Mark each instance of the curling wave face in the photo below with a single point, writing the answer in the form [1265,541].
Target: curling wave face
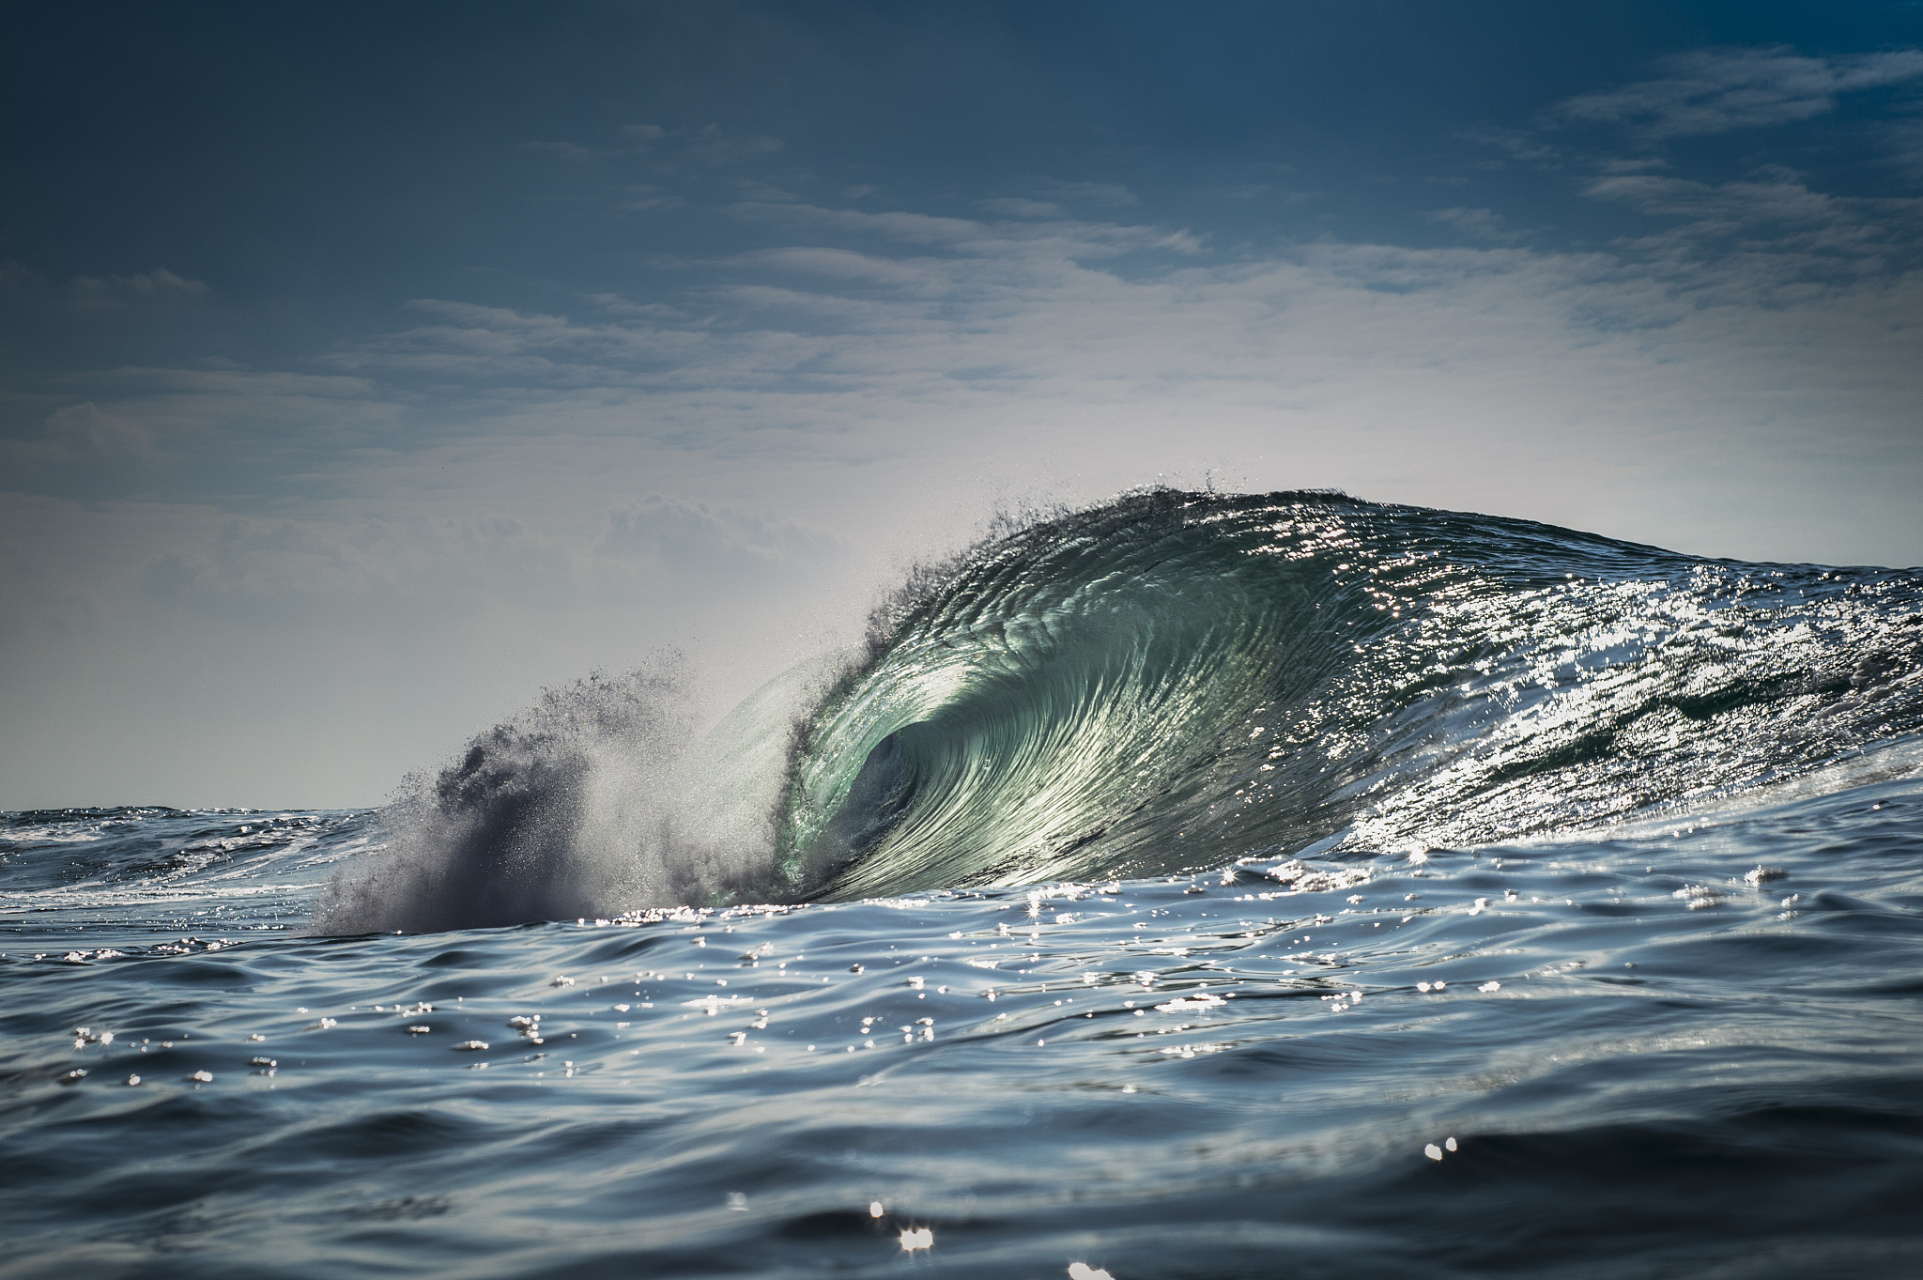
[1174,680]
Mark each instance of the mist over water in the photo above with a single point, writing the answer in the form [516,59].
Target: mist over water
[1196,885]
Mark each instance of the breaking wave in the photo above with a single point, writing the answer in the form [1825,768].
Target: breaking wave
[1169,682]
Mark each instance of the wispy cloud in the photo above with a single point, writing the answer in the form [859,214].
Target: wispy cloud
[712,145]
[642,197]
[86,433]
[1481,224]
[885,331]
[1761,239]
[1713,91]
[1519,145]
[915,275]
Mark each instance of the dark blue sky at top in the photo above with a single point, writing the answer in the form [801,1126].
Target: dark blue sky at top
[318,166]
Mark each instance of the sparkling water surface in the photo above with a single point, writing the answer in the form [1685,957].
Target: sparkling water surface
[1685,1045]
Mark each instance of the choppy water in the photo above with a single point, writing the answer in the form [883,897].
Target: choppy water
[1575,930]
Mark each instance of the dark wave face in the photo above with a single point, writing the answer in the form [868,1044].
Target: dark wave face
[1175,680]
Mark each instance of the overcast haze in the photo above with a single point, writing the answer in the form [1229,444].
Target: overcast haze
[366,368]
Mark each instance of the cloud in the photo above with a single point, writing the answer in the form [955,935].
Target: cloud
[1631,164]
[1758,239]
[1775,196]
[155,290]
[1057,195]
[755,189]
[1517,144]
[1714,91]
[1482,224]
[982,348]
[981,239]
[841,352]
[713,145]
[642,197]
[914,275]
[87,293]
[1905,141]
[862,359]
[87,433]
[502,346]
[615,304]
[234,431]
[161,280]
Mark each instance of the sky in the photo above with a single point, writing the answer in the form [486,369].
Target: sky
[367,368]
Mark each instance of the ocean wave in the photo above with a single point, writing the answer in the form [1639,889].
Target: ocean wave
[1166,683]
[1174,680]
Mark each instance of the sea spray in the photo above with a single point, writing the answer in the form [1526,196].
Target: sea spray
[602,798]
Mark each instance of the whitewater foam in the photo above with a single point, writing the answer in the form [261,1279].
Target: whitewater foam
[602,799]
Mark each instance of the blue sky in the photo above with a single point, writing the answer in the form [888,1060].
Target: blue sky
[365,368]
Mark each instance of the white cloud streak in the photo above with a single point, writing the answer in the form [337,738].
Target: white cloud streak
[876,340]
[1714,91]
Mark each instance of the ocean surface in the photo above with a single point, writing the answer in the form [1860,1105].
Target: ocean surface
[1192,886]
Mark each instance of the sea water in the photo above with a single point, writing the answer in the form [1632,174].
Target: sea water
[1576,961]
